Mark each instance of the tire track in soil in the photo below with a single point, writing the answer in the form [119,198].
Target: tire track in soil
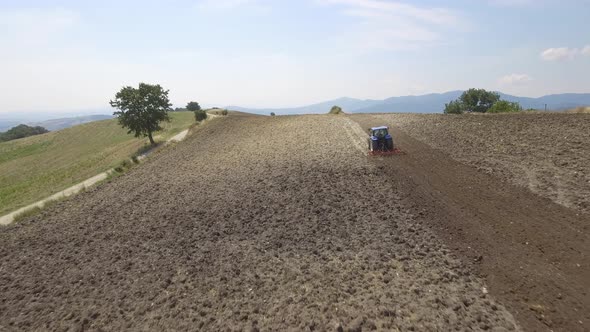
[252,223]
[532,252]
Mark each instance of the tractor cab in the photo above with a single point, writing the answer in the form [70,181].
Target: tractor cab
[379,132]
[381,141]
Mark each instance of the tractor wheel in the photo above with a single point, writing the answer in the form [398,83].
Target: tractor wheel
[390,144]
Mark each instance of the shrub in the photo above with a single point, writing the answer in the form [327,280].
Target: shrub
[454,107]
[504,106]
[200,115]
[272,114]
[224,112]
[336,110]
[123,166]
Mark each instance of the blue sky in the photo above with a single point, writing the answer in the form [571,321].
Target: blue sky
[75,55]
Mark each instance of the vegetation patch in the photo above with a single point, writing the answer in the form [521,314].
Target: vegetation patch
[21,131]
[36,210]
[503,106]
[200,115]
[480,101]
[336,110]
[36,167]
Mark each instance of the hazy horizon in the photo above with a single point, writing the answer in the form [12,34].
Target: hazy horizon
[69,56]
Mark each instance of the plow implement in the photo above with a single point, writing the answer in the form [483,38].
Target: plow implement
[394,151]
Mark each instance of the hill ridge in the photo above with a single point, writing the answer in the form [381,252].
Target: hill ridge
[425,103]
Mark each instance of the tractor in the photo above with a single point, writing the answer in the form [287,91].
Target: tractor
[381,142]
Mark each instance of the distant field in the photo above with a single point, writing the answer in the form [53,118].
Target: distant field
[35,167]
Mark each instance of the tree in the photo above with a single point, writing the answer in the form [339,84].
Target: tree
[193,106]
[478,100]
[272,114]
[200,115]
[21,131]
[504,106]
[335,110]
[141,110]
[454,107]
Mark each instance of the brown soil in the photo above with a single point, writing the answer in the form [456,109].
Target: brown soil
[548,153]
[252,223]
[284,223]
[532,252]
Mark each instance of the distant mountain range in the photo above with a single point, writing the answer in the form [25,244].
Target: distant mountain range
[429,103]
[54,124]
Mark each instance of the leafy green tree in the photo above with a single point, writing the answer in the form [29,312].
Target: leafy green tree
[335,110]
[200,115]
[21,131]
[478,100]
[454,107]
[272,114]
[504,106]
[142,109]
[193,106]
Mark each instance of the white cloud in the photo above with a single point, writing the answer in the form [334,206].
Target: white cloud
[515,79]
[564,53]
[395,25]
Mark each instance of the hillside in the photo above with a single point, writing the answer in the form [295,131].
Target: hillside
[276,227]
[11,119]
[429,103]
[62,123]
[35,167]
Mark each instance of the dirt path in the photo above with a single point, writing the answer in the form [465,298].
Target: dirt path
[9,218]
[252,223]
[533,253]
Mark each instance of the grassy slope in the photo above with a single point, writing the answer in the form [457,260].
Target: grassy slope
[35,167]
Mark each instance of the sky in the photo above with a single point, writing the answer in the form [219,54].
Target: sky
[75,54]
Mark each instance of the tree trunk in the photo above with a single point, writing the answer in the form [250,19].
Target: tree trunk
[151,138]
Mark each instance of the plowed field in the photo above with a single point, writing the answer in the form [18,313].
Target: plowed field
[283,223]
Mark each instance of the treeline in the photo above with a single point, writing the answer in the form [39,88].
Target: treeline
[21,131]
[481,101]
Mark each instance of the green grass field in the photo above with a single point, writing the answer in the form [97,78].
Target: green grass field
[36,167]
